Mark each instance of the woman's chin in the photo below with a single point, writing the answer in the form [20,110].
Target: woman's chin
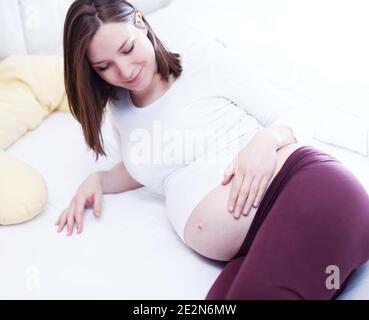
[142,86]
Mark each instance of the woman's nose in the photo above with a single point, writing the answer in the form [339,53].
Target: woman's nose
[125,75]
[125,72]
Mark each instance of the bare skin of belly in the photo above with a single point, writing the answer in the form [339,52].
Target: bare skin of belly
[212,230]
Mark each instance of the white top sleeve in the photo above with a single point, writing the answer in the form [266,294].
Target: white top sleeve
[116,133]
[242,84]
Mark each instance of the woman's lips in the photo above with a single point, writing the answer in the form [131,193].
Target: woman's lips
[136,79]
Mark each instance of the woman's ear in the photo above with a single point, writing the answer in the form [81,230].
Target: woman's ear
[139,22]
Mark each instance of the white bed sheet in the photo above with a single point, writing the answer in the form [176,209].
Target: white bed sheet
[132,252]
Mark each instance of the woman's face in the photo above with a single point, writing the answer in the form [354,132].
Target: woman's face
[122,52]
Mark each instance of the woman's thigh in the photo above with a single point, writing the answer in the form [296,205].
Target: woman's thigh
[318,223]
[220,287]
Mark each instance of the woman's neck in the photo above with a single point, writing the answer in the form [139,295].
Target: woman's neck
[154,92]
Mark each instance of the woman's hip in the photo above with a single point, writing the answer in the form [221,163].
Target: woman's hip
[317,195]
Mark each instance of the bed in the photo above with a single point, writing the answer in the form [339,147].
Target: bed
[131,252]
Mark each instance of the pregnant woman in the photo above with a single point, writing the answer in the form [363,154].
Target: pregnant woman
[204,130]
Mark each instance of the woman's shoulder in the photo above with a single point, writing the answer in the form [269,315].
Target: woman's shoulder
[214,58]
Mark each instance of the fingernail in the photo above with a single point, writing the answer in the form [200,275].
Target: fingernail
[230,208]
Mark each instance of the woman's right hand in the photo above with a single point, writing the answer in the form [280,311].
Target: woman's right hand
[89,194]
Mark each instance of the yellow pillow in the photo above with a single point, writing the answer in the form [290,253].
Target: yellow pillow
[31,87]
[23,192]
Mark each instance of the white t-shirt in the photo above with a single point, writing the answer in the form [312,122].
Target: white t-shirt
[217,99]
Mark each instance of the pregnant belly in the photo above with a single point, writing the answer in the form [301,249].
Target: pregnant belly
[211,229]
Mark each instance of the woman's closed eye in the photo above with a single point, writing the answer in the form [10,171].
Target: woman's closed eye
[130,50]
[107,67]
[103,69]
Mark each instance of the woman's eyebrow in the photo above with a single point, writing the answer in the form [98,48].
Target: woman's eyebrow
[121,47]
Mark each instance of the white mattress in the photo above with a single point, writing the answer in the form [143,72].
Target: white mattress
[132,252]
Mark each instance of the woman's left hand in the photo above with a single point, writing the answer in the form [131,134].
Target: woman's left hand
[251,171]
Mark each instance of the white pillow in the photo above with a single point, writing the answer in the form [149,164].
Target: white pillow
[43,23]
[341,128]
[11,29]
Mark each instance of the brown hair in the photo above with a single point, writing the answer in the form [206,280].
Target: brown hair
[87,93]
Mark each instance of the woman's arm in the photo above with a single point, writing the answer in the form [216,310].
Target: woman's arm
[117,179]
[281,135]
[240,82]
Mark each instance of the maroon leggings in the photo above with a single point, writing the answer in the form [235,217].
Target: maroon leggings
[315,214]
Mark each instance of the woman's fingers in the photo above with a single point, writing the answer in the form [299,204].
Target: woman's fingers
[227,178]
[229,172]
[243,194]
[251,195]
[58,221]
[261,191]
[70,225]
[78,214]
[73,215]
[70,220]
[62,220]
[79,220]
[236,186]
[97,204]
